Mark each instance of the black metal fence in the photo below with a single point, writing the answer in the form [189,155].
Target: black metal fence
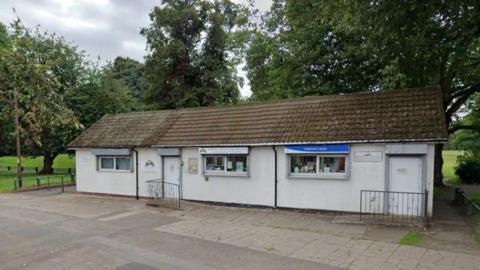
[47,181]
[161,193]
[34,170]
[393,207]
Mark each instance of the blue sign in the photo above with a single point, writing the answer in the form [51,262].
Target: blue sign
[328,148]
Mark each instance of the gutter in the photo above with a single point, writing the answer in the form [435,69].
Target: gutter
[276,177]
[432,141]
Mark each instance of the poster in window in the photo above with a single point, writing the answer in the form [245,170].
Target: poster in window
[192,165]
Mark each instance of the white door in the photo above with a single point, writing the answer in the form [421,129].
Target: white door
[171,166]
[405,177]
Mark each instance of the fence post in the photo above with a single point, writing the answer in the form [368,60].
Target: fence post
[72,178]
[63,188]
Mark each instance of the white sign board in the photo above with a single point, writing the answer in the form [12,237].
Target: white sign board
[223,150]
[368,156]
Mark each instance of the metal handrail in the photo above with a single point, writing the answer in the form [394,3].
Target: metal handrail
[383,206]
[163,193]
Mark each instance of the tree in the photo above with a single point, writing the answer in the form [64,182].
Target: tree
[131,73]
[99,93]
[295,53]
[393,44]
[183,68]
[30,85]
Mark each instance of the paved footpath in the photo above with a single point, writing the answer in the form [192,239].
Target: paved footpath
[72,231]
[311,237]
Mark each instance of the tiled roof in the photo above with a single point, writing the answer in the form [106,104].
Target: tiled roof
[395,115]
[122,130]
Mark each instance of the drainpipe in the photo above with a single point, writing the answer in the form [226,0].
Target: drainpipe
[276,176]
[180,180]
[136,173]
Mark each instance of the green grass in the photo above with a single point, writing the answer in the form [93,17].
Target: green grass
[7,177]
[62,161]
[449,164]
[412,238]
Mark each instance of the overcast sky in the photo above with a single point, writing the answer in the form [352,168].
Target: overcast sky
[103,28]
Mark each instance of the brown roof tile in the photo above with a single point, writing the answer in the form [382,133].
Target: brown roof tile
[395,115]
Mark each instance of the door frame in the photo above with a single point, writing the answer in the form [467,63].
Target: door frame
[423,185]
[178,155]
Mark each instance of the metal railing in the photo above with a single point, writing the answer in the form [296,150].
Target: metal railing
[470,208]
[393,207]
[34,170]
[47,181]
[161,193]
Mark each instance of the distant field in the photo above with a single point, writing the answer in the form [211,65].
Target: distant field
[62,161]
[6,177]
[449,164]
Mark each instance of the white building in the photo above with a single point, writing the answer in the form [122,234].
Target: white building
[311,153]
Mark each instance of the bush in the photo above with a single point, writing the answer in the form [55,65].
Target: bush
[468,169]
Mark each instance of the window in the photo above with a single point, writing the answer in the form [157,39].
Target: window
[215,163]
[226,164]
[318,166]
[107,163]
[303,164]
[115,163]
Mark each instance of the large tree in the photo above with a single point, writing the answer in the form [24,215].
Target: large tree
[30,85]
[131,73]
[188,62]
[341,46]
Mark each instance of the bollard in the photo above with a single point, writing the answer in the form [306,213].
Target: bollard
[63,188]
[15,185]
[38,181]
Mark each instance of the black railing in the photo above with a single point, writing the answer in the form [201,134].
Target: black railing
[47,181]
[393,207]
[469,207]
[161,193]
[34,170]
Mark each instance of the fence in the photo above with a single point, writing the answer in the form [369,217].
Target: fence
[161,193]
[470,209]
[34,170]
[47,181]
[393,207]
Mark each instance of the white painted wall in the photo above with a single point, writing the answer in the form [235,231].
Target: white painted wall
[335,194]
[118,183]
[430,160]
[91,180]
[257,189]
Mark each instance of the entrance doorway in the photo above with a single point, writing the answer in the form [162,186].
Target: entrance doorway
[405,185]
[171,167]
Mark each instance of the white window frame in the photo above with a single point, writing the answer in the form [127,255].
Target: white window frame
[224,172]
[317,174]
[114,169]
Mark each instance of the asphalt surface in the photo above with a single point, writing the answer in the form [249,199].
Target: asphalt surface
[47,230]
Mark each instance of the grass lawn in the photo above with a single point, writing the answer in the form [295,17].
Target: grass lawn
[449,164]
[411,238]
[62,161]
[7,177]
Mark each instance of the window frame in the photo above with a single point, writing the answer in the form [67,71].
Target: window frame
[114,169]
[319,175]
[225,171]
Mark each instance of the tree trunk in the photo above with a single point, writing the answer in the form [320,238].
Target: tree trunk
[48,164]
[17,142]
[438,165]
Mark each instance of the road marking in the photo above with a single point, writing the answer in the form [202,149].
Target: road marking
[118,216]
